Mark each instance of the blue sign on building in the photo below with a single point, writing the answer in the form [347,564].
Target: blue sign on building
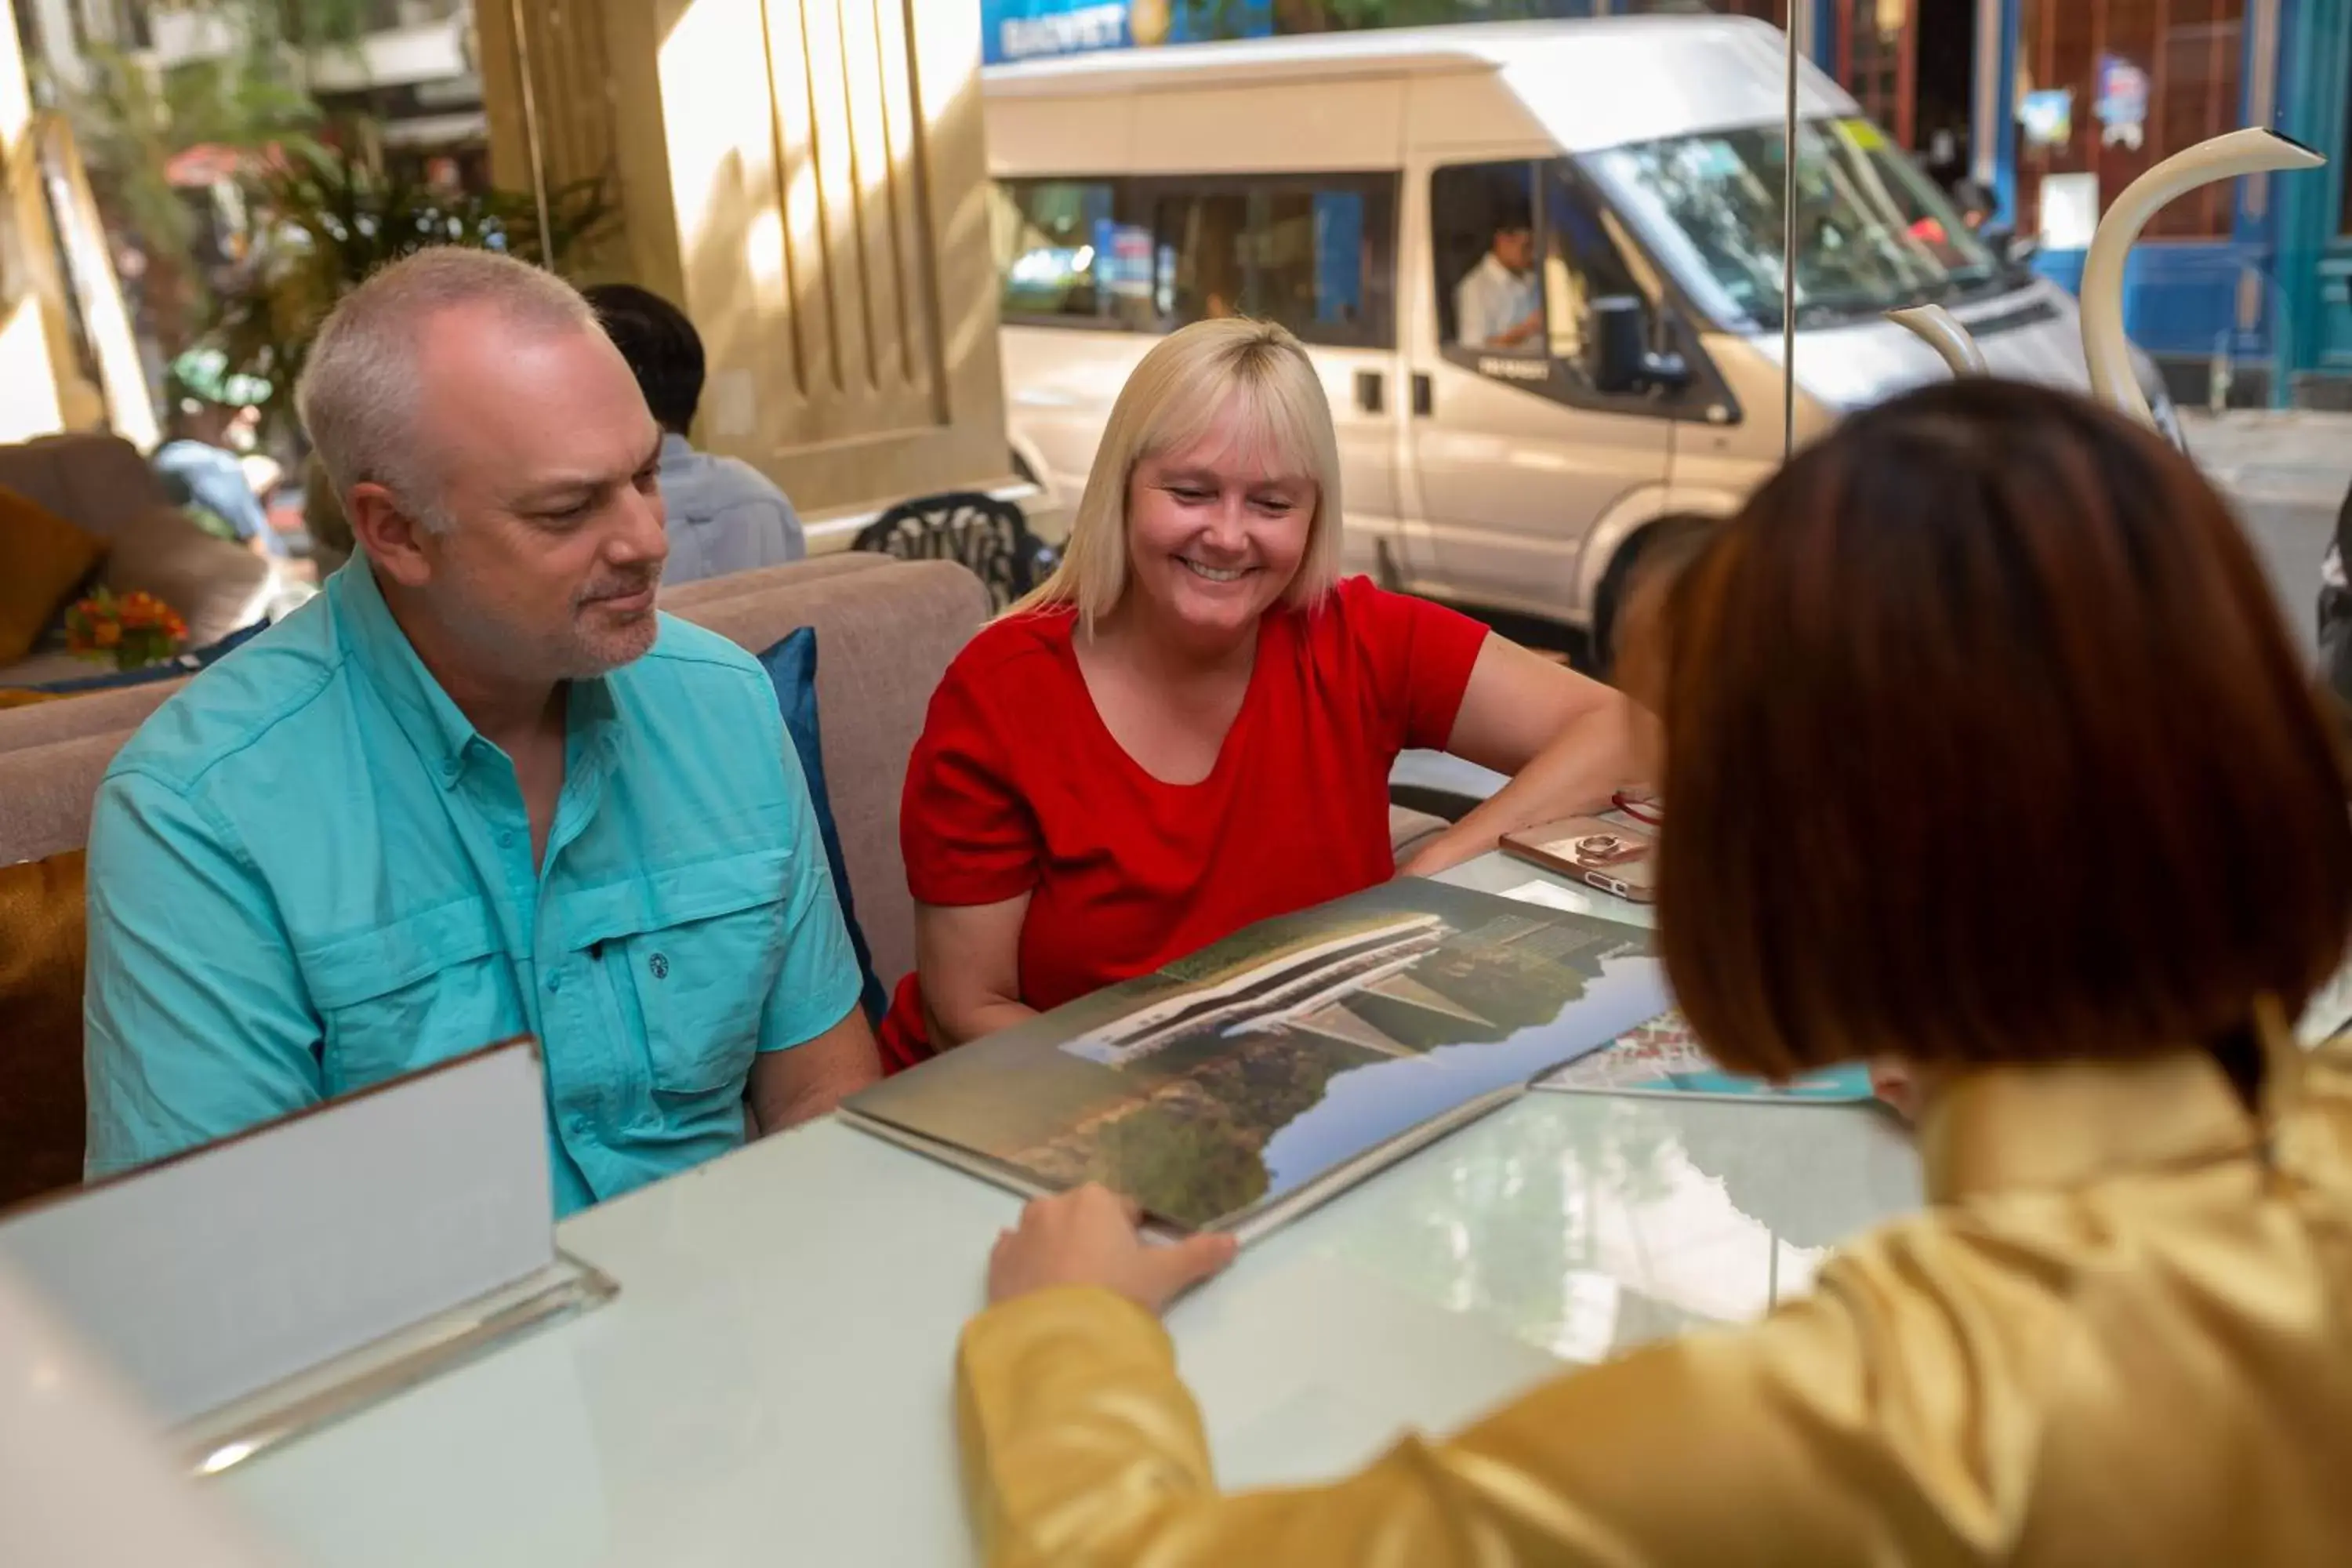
[1014,30]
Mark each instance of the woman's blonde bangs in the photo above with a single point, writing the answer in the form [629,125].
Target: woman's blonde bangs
[1175,397]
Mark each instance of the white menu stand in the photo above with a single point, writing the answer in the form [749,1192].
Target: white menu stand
[257,1288]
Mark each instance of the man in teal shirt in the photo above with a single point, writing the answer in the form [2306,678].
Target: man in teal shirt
[477,788]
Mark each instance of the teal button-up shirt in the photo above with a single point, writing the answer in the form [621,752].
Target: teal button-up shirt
[309,873]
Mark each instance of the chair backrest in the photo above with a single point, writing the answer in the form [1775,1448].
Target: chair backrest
[986,535]
[98,482]
[123,708]
[884,638]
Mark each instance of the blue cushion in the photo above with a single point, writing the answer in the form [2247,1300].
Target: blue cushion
[792,667]
[169,669]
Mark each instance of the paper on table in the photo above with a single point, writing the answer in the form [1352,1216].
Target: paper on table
[1663,1056]
[1576,902]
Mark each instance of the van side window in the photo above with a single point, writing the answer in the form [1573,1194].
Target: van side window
[1313,254]
[1062,254]
[1490,294]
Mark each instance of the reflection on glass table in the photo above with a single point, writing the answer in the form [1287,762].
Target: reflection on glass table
[1587,1224]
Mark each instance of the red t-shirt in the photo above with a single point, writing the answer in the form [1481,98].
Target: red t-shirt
[1016,786]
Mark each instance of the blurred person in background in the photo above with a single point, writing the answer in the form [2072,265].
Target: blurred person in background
[324,519]
[209,465]
[1976,205]
[724,514]
[2336,609]
[2031,791]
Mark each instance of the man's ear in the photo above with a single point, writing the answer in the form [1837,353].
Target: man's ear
[392,538]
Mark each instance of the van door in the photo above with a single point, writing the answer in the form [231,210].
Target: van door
[1529,423]
[1318,254]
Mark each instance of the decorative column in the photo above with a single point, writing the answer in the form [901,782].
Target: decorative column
[46,388]
[2314,73]
[806,179]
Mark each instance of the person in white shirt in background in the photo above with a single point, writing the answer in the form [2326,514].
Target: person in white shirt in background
[1499,304]
[724,515]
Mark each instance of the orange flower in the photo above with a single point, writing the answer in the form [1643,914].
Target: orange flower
[106,633]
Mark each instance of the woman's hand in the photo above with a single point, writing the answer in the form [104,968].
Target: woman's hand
[1088,1238]
[1566,743]
[1442,853]
[1899,1085]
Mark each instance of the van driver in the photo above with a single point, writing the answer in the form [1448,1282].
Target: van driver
[1498,303]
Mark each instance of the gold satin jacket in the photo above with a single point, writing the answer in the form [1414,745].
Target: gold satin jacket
[2121,1335]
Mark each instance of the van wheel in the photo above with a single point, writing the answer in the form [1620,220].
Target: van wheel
[1652,545]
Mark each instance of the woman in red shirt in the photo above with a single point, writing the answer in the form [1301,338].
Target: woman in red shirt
[1189,726]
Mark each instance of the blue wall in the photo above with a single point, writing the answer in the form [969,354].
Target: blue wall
[2305,209]
[2179,295]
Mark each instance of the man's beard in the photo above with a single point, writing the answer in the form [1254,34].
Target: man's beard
[600,642]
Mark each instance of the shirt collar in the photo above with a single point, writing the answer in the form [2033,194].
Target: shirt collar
[675,449]
[435,724]
[2056,1125]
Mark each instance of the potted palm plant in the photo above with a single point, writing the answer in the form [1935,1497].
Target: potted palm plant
[328,220]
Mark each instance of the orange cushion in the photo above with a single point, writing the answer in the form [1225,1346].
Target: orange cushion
[43,945]
[43,558]
[25,696]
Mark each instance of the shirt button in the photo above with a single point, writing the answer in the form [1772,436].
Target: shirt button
[555,981]
[579,1124]
[506,837]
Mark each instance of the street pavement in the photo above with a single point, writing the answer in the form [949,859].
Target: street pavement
[2286,473]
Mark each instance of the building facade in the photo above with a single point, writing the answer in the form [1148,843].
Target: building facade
[2054,106]
[2243,293]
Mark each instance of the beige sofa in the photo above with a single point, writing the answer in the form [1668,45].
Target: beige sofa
[885,630]
[100,483]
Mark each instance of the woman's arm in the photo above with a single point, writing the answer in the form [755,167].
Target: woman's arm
[970,961]
[1849,1426]
[1567,742]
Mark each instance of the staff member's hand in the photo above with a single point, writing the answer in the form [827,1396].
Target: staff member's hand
[1088,1238]
[1900,1086]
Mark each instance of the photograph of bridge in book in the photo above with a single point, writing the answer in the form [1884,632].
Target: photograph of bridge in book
[1267,1060]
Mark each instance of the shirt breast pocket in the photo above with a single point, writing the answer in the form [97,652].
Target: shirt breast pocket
[691,956]
[420,990]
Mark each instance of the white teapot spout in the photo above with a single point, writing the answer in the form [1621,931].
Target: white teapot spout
[2253,151]
[1937,327]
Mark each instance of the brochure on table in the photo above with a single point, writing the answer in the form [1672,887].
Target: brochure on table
[1663,1057]
[1239,1087]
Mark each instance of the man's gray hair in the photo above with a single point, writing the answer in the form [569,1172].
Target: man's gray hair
[358,393]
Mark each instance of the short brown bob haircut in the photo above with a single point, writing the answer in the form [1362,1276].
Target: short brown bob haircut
[1984,741]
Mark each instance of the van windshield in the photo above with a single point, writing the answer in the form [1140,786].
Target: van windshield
[1874,233]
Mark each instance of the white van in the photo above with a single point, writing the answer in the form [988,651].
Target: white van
[1537,264]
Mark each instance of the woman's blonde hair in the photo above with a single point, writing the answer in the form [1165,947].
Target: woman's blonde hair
[1176,394]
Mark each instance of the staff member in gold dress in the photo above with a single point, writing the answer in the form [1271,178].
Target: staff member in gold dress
[1985,750]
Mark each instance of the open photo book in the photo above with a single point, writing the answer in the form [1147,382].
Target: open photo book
[1240,1087]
